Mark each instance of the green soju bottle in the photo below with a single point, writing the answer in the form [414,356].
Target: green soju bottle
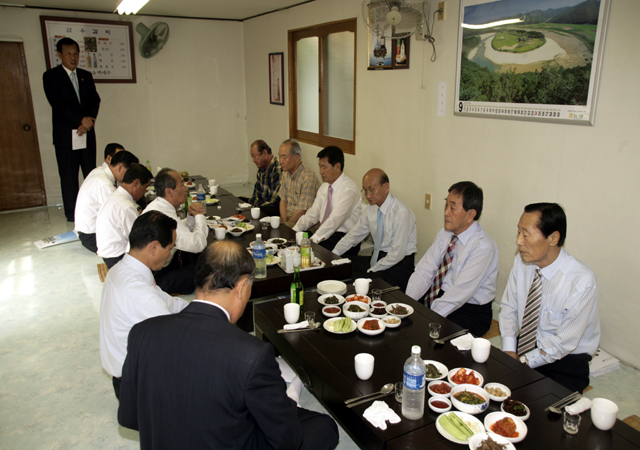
[297,290]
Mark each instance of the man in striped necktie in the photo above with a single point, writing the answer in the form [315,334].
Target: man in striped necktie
[458,273]
[549,318]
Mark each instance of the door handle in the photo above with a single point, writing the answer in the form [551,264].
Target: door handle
[26,127]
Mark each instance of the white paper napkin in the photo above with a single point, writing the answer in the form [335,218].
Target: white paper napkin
[337,262]
[463,342]
[295,326]
[244,205]
[580,406]
[379,413]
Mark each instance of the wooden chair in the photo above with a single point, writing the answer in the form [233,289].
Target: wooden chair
[102,271]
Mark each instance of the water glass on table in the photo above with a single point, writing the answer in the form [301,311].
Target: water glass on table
[310,317]
[434,330]
[399,388]
[571,422]
[376,295]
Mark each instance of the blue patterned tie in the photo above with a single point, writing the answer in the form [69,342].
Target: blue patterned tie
[74,81]
[377,240]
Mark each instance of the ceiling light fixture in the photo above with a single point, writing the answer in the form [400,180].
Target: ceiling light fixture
[130,6]
[491,24]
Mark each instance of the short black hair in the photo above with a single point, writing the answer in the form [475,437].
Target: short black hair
[127,159]
[164,180]
[66,41]
[110,149]
[152,226]
[552,218]
[333,154]
[471,194]
[262,146]
[137,172]
[222,265]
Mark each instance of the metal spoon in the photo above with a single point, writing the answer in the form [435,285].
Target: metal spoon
[385,390]
[454,335]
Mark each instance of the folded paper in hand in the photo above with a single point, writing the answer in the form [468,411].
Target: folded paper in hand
[463,342]
[337,262]
[379,413]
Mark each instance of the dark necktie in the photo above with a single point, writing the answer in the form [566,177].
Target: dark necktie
[442,271]
[527,338]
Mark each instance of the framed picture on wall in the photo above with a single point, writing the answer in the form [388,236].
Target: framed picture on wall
[401,53]
[276,80]
[106,46]
[380,51]
[530,59]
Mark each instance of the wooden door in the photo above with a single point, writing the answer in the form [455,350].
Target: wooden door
[21,179]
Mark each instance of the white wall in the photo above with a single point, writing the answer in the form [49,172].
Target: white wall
[591,171]
[186,111]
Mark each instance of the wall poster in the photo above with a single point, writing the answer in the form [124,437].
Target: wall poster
[530,59]
[276,79]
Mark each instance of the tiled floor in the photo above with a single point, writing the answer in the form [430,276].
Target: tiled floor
[53,392]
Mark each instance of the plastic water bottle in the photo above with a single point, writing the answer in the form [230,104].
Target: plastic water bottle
[305,251]
[201,195]
[260,257]
[414,386]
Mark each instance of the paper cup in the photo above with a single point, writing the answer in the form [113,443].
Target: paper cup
[275,222]
[603,413]
[480,349]
[212,182]
[364,365]
[221,233]
[255,213]
[213,190]
[291,312]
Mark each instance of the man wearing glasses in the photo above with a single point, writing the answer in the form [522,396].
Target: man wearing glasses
[299,184]
[393,227]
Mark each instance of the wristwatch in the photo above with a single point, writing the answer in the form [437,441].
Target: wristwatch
[524,360]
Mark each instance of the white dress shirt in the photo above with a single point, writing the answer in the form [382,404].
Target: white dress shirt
[104,165]
[192,232]
[129,296]
[471,277]
[114,223]
[399,237]
[95,190]
[568,321]
[345,209]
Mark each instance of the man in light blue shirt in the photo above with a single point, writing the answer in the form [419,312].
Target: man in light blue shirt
[555,329]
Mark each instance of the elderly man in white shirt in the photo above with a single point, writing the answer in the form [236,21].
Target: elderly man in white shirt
[95,190]
[118,213]
[130,294]
[191,235]
[393,228]
[336,208]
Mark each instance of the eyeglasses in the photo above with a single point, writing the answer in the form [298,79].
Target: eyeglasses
[284,157]
[369,191]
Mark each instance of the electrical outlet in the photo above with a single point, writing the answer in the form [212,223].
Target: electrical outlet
[441,8]
[427,201]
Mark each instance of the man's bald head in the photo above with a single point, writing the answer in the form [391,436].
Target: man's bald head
[222,265]
[375,185]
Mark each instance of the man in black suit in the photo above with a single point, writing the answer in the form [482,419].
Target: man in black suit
[194,380]
[74,106]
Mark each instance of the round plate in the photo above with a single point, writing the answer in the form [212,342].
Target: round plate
[322,298]
[328,314]
[358,298]
[497,398]
[493,417]
[331,287]
[277,241]
[211,201]
[392,325]
[329,322]
[274,261]
[212,218]
[266,245]
[477,375]
[525,417]
[477,439]
[441,368]
[463,416]
[371,332]
[404,305]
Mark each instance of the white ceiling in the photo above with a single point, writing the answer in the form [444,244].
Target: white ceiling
[209,9]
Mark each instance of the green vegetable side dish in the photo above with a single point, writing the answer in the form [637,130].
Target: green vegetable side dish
[455,426]
[342,325]
[432,371]
[469,398]
[355,308]
[331,300]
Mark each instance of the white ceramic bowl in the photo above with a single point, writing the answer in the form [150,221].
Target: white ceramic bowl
[228,222]
[502,387]
[322,299]
[477,439]
[435,394]
[455,371]
[404,305]
[356,315]
[466,407]
[441,368]
[358,298]
[387,319]
[379,316]
[362,321]
[235,233]
[440,399]
[525,417]
[493,417]
[329,314]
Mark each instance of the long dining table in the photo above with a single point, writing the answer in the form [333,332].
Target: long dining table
[325,363]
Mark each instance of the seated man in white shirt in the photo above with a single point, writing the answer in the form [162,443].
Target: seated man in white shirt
[178,274]
[109,151]
[130,295]
[549,317]
[336,208]
[95,190]
[393,228]
[118,213]
[458,273]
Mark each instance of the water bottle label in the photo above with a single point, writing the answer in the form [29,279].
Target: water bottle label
[259,253]
[201,197]
[414,382]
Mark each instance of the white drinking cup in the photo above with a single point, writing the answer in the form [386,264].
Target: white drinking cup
[221,233]
[275,221]
[362,286]
[255,213]
[212,182]
[299,236]
[603,413]
[213,190]
[364,365]
[480,349]
[297,259]
[291,312]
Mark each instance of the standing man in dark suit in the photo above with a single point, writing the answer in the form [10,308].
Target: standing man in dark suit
[197,381]
[74,106]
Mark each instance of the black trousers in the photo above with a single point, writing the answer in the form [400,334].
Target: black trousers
[110,262]
[319,430]
[179,276]
[69,162]
[116,386]
[88,241]
[331,242]
[572,371]
[476,318]
[397,275]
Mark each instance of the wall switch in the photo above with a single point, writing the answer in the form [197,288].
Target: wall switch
[427,201]
[441,8]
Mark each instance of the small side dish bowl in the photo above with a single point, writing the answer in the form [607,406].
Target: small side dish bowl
[502,387]
[326,310]
[355,315]
[438,408]
[362,322]
[467,407]
[391,321]
[433,384]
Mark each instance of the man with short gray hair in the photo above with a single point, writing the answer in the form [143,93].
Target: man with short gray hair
[299,184]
